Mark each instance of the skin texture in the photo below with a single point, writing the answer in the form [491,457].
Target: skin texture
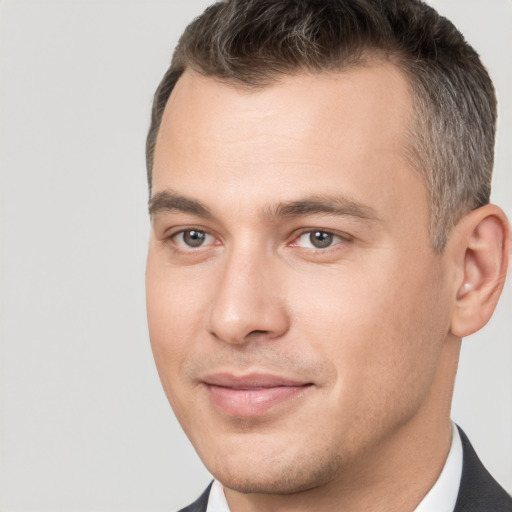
[368,326]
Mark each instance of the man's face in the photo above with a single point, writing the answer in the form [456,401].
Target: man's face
[297,312]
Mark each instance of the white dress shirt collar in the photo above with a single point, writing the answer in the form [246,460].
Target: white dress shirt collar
[441,498]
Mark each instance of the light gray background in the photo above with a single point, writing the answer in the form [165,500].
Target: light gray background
[84,423]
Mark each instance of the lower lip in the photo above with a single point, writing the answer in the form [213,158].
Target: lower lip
[254,401]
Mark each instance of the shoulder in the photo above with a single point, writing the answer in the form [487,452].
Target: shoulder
[200,504]
[479,491]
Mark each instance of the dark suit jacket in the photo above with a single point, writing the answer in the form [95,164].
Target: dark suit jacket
[478,491]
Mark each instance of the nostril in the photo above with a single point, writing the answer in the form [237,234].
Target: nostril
[256,332]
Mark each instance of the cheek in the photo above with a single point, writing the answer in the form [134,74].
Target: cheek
[379,329]
[174,300]
[173,322]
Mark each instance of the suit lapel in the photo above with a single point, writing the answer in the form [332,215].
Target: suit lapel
[200,504]
[478,491]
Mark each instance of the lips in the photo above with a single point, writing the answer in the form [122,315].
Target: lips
[251,395]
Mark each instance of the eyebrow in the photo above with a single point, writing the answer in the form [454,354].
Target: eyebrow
[169,201]
[324,205]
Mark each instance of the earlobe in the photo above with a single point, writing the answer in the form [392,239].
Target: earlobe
[483,256]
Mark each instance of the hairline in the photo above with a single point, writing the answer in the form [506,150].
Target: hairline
[369,56]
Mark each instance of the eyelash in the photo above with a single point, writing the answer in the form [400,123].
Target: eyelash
[327,232]
[183,247]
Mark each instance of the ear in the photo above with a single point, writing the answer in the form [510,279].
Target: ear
[482,256]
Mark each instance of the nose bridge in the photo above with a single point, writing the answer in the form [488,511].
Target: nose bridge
[247,300]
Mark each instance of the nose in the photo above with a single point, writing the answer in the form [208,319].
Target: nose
[248,303]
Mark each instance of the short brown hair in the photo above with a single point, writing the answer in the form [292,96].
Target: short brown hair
[254,42]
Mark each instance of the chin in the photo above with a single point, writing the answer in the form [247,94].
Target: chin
[264,472]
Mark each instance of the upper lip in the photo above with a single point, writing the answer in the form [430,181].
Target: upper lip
[251,381]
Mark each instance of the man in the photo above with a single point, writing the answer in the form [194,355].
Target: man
[322,240]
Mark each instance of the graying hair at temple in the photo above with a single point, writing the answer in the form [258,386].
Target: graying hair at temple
[252,43]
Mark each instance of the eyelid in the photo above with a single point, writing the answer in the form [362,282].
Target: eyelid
[343,237]
[173,233]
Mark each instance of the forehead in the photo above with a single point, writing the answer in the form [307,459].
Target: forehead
[294,106]
[306,134]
